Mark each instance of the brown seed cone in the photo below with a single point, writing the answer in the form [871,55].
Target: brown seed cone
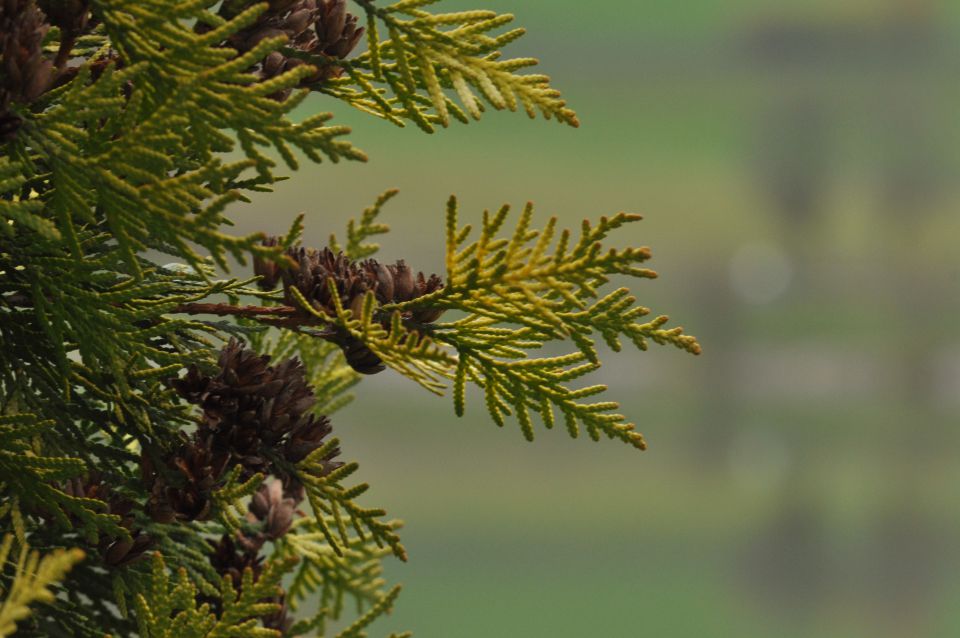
[426,286]
[290,19]
[71,16]
[273,509]
[122,551]
[337,31]
[115,551]
[405,284]
[231,559]
[254,414]
[9,125]
[25,72]
[390,283]
[266,269]
[322,30]
[361,358]
[185,490]
[337,35]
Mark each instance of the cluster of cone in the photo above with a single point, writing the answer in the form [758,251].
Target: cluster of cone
[254,415]
[26,72]
[321,31]
[310,271]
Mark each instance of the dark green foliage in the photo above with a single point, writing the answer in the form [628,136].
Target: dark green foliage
[170,425]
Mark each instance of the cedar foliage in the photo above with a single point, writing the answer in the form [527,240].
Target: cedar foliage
[165,440]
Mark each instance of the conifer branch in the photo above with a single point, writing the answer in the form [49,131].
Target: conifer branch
[174,172]
[327,370]
[32,581]
[330,500]
[169,608]
[516,293]
[332,578]
[430,57]
[358,231]
[32,480]
[382,606]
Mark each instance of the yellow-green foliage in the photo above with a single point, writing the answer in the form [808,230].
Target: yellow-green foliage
[409,74]
[168,608]
[513,295]
[31,582]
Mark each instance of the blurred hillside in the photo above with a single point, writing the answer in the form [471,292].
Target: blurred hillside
[797,168]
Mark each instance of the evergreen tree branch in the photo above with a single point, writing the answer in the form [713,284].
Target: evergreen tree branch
[329,578]
[430,57]
[169,608]
[516,293]
[33,579]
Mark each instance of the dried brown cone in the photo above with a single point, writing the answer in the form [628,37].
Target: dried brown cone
[71,16]
[289,19]
[273,510]
[25,72]
[256,415]
[182,490]
[337,31]
[115,551]
[322,31]
[231,558]
[267,269]
[120,552]
[390,283]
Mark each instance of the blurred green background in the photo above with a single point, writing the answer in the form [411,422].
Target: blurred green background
[797,168]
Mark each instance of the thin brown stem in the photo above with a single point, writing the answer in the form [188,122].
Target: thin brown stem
[279,316]
[63,53]
[224,310]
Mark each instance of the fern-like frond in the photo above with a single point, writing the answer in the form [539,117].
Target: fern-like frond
[330,500]
[31,477]
[32,581]
[328,579]
[514,294]
[359,231]
[431,58]
[168,607]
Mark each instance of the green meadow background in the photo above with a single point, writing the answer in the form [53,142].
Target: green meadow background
[796,164]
